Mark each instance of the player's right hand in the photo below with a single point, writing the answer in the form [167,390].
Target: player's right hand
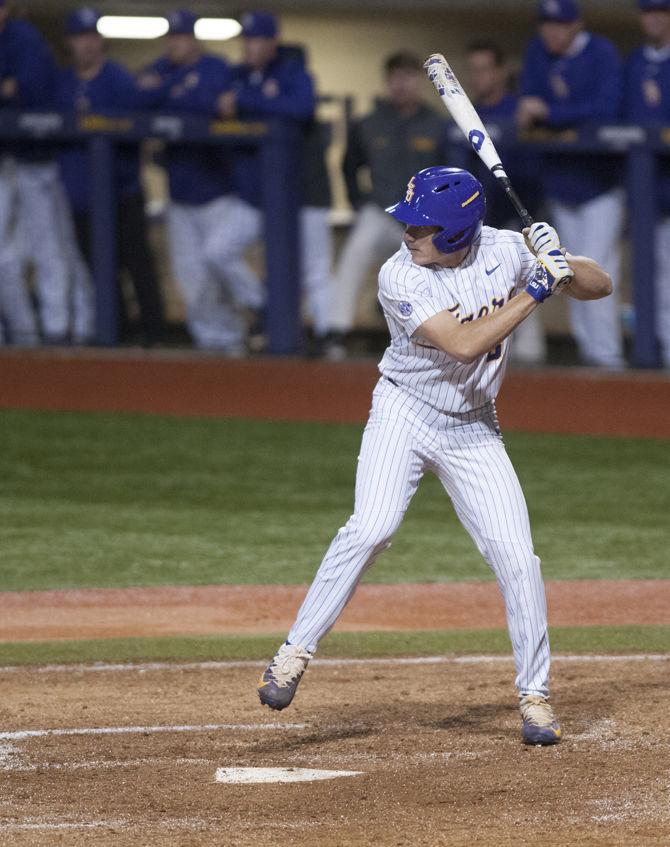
[541,238]
[552,273]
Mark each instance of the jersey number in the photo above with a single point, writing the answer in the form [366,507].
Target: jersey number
[494,354]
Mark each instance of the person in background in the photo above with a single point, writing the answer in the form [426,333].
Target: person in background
[187,80]
[569,78]
[93,83]
[399,137]
[647,101]
[30,193]
[272,82]
[489,87]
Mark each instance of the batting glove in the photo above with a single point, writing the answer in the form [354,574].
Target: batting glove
[552,273]
[542,238]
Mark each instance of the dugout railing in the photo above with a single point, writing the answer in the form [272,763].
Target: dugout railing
[277,143]
[636,148]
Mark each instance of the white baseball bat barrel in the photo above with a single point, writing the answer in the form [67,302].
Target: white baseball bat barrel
[468,121]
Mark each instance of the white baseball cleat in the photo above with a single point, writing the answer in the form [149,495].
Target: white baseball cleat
[540,724]
[279,681]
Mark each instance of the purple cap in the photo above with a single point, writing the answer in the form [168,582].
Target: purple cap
[259,25]
[181,22]
[81,21]
[558,11]
[654,5]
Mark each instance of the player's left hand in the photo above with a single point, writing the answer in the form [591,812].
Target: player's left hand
[541,238]
[552,274]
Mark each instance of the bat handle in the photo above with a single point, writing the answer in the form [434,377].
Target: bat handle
[521,210]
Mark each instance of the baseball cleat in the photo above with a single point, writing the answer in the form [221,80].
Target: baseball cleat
[540,724]
[279,681]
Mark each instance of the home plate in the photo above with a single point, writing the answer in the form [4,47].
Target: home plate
[247,776]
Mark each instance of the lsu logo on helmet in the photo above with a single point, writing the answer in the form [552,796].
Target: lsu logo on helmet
[411,188]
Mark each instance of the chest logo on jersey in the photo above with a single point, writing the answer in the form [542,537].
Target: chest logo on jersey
[559,86]
[411,188]
[405,309]
[651,92]
[496,303]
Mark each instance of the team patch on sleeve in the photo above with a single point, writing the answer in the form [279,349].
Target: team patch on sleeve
[405,308]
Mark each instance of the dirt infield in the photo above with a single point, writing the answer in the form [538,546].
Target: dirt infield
[556,400]
[253,609]
[436,747]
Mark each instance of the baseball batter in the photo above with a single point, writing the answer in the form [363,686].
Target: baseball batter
[451,295]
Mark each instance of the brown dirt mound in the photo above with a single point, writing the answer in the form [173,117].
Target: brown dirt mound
[252,609]
[438,747]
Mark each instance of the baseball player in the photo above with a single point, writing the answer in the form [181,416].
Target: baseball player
[571,77]
[451,296]
[272,82]
[188,80]
[488,82]
[29,191]
[647,101]
[93,83]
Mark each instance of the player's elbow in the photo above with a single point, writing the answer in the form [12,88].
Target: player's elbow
[605,286]
[465,356]
[462,351]
[456,346]
[599,286]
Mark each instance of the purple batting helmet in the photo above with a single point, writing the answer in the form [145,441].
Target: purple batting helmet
[446,197]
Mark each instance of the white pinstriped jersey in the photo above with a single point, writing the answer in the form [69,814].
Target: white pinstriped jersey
[497,267]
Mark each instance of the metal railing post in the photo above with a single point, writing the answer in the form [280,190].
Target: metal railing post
[103,238]
[641,186]
[279,156]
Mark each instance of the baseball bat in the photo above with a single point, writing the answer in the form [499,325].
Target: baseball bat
[464,114]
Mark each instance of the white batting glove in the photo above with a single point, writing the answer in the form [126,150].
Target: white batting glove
[552,274]
[542,238]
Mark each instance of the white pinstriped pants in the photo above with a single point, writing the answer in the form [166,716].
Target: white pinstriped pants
[214,314]
[244,226]
[41,205]
[405,437]
[594,229]
[15,307]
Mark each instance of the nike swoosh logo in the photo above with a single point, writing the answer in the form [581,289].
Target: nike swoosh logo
[488,273]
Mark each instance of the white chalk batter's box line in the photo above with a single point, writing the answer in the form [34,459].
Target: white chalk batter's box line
[22,734]
[143,667]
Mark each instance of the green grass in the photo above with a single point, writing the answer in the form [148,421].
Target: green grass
[597,639]
[119,500]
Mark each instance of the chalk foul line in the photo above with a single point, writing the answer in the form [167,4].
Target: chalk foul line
[144,667]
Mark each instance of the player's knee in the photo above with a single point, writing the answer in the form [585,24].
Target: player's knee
[219,254]
[373,534]
[515,559]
